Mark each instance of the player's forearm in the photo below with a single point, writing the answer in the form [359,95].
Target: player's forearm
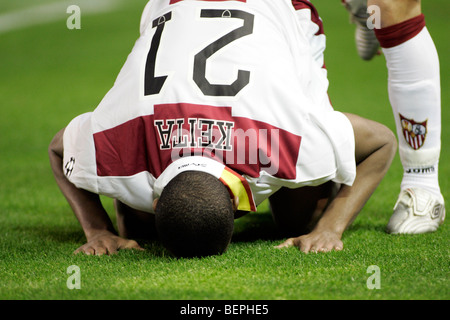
[347,205]
[86,205]
[374,160]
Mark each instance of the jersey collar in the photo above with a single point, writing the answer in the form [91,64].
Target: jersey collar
[236,184]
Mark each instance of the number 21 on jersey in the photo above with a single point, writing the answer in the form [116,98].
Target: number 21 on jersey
[153,83]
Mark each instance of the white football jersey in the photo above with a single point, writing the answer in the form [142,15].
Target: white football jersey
[233,88]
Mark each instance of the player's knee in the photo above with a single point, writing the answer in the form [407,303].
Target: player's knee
[56,145]
[396,11]
[389,141]
[394,4]
[295,211]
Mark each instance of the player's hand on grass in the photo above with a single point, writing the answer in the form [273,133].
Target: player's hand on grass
[106,243]
[315,242]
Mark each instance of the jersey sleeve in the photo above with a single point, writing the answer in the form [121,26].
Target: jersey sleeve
[145,18]
[79,153]
[312,26]
[80,168]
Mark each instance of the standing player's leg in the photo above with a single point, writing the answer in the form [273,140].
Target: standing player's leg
[414,92]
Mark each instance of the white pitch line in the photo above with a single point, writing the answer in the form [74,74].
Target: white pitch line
[51,12]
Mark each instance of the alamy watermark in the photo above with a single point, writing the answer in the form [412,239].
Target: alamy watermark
[74,20]
[374,19]
[74,280]
[374,280]
[258,147]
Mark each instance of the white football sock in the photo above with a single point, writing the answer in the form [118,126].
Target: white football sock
[414,93]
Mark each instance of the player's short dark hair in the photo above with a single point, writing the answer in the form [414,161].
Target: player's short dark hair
[194,216]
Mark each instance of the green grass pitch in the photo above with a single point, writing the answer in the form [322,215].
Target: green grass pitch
[49,74]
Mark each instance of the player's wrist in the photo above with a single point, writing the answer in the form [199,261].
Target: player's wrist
[330,229]
[93,233]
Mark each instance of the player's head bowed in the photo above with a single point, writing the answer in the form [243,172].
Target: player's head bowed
[194,215]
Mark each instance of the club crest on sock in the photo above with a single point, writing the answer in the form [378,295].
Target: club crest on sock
[414,132]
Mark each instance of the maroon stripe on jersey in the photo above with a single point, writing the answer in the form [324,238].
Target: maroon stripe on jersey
[305,4]
[175,1]
[127,149]
[399,33]
[150,143]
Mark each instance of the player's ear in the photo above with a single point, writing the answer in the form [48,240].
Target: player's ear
[155,202]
